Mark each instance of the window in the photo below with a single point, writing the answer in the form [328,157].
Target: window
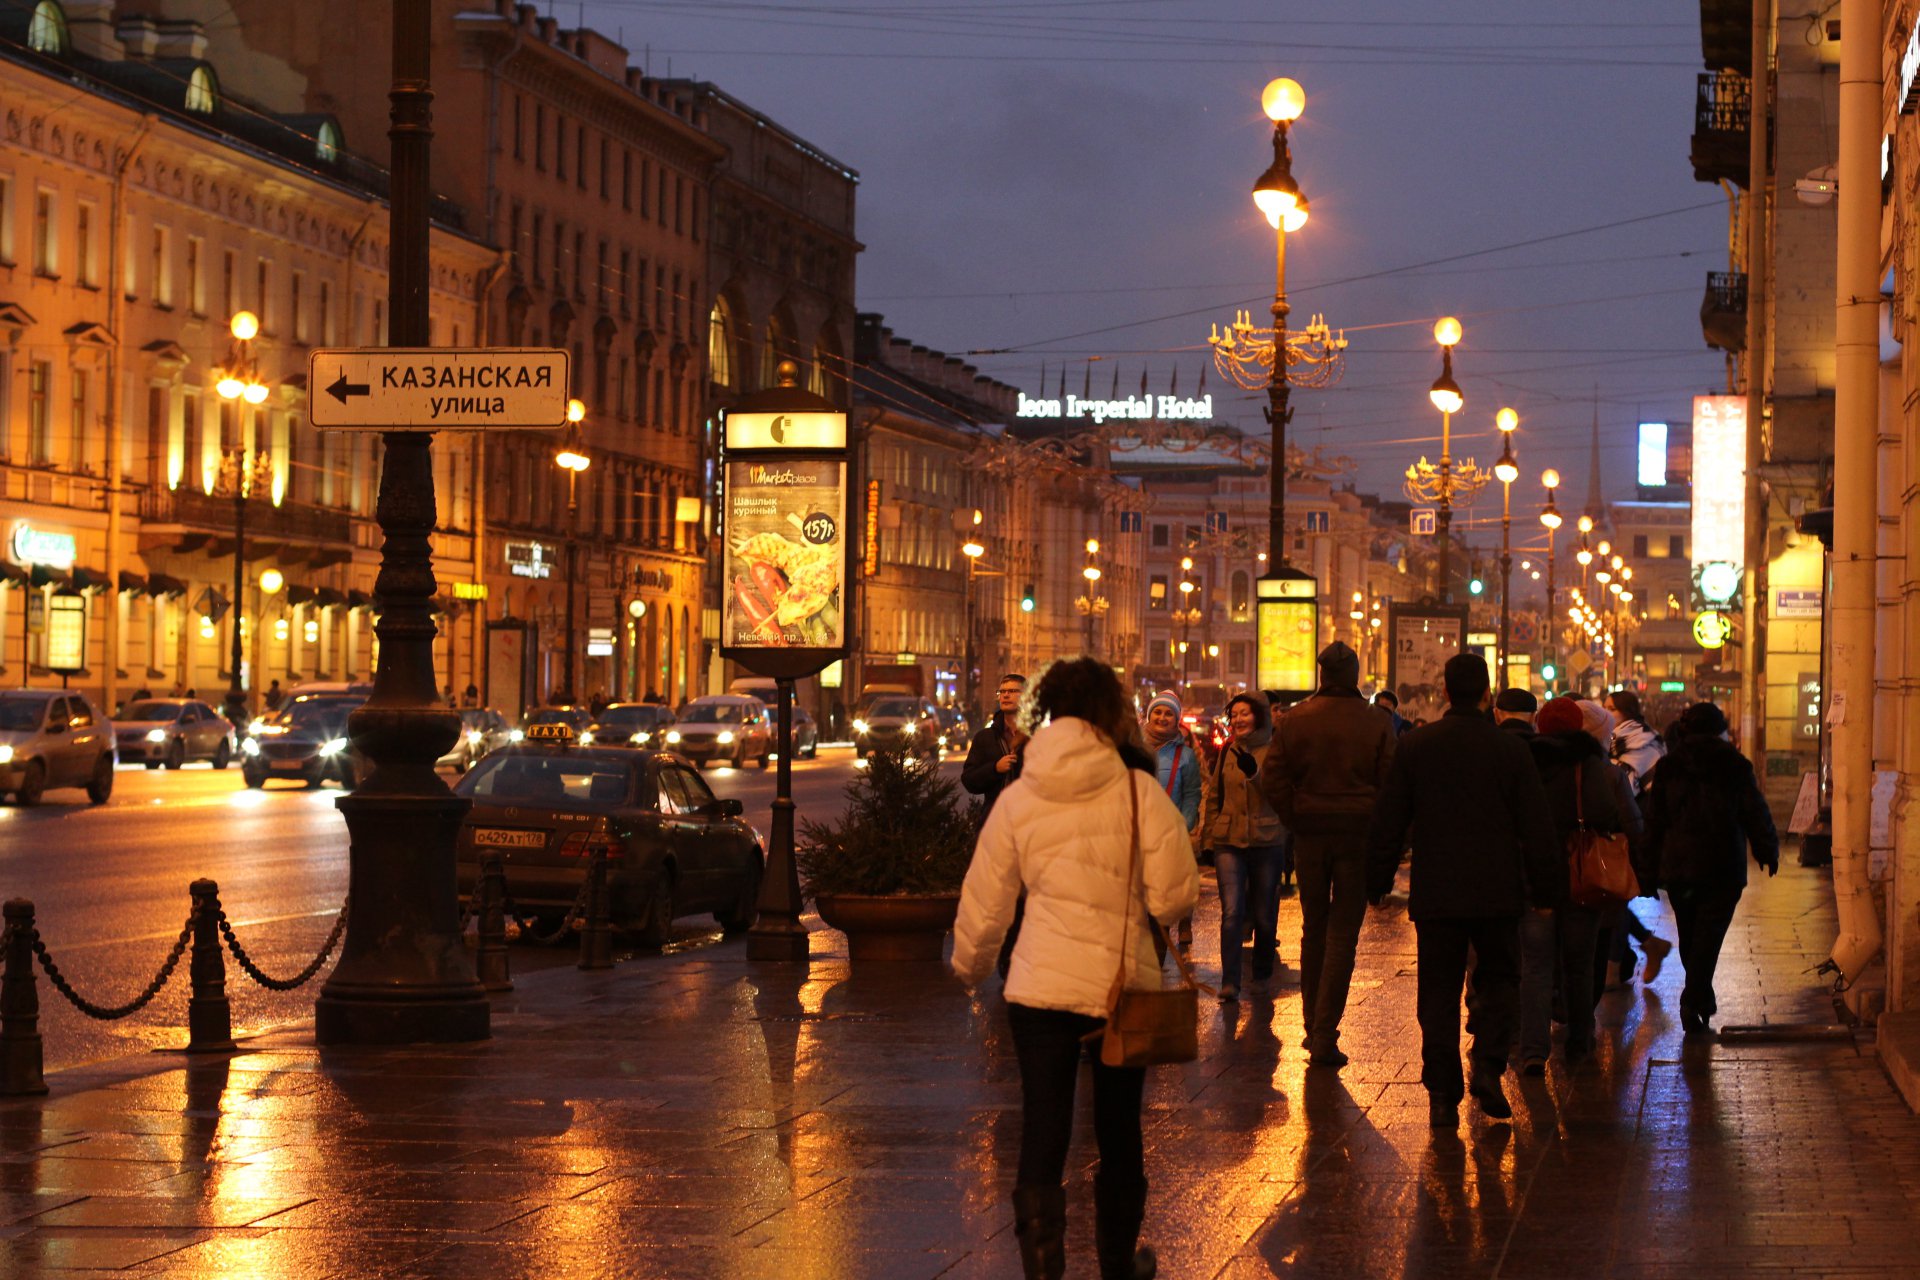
[579,263]
[606,168]
[559,256]
[519,132]
[6,218]
[39,425]
[660,199]
[47,31]
[625,283]
[720,343]
[1162,535]
[46,231]
[77,423]
[1157,590]
[603,288]
[327,142]
[1239,596]
[326,313]
[679,205]
[693,227]
[202,93]
[580,158]
[626,179]
[86,246]
[540,136]
[196,275]
[538,237]
[559,146]
[160,266]
[1639,546]
[263,294]
[229,282]
[1677,546]
[1237,658]
[294,283]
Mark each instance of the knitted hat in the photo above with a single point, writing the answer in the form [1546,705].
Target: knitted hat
[1703,720]
[1171,701]
[1597,721]
[1562,715]
[1339,667]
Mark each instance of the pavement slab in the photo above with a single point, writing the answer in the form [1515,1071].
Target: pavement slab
[692,1115]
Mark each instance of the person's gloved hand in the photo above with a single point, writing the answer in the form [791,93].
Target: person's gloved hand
[1772,866]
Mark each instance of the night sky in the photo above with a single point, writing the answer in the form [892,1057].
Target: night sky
[1059,180]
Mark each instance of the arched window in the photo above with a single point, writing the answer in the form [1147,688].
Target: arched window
[203,94]
[720,344]
[778,347]
[1241,604]
[47,32]
[327,143]
[828,368]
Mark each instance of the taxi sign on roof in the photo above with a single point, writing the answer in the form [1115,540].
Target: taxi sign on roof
[436,388]
[550,733]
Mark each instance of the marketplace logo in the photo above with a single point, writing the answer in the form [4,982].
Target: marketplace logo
[767,475]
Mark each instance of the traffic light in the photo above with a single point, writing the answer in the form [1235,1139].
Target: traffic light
[1548,671]
[1026,598]
[1476,587]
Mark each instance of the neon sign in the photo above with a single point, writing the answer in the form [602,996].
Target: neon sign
[1719,483]
[41,546]
[1165,408]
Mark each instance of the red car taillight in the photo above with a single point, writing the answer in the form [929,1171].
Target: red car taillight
[582,844]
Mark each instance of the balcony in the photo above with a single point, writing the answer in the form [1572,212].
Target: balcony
[1723,312]
[1722,106]
[291,531]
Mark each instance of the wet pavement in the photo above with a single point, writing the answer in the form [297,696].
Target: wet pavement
[690,1115]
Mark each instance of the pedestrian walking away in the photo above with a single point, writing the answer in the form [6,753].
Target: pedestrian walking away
[1245,834]
[1704,810]
[1470,800]
[1636,748]
[1514,710]
[1177,763]
[1329,758]
[1581,786]
[1063,834]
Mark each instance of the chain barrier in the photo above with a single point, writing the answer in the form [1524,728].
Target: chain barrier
[268,981]
[107,1013]
[559,935]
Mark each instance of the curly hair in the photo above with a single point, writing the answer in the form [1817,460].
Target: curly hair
[1085,689]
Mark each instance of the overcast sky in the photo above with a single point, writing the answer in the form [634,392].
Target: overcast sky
[1065,179]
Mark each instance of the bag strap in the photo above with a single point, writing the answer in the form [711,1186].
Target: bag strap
[1579,797]
[1173,776]
[1134,870]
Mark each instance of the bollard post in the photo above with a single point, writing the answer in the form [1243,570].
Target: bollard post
[596,939]
[209,1014]
[21,1057]
[492,961]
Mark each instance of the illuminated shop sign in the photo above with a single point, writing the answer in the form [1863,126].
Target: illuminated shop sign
[1719,487]
[41,546]
[1165,408]
[1909,70]
[529,560]
[1652,469]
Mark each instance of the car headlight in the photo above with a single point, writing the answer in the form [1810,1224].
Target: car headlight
[156,735]
[256,726]
[586,737]
[673,735]
[6,754]
[726,736]
[859,726]
[516,735]
[473,737]
[639,739]
[250,747]
[333,746]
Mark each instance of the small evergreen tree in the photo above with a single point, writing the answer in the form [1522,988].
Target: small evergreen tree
[904,832]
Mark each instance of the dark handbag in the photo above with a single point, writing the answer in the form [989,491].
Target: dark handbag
[1145,1028]
[1599,868]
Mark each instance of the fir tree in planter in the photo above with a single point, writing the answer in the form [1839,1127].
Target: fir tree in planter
[888,873]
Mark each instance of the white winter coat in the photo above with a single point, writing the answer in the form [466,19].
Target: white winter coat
[1063,832]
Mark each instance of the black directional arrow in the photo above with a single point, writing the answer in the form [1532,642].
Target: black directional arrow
[341,388]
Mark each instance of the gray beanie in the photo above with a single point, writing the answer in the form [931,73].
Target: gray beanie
[1339,667]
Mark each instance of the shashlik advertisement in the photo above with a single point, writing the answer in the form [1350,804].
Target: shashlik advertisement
[786,554]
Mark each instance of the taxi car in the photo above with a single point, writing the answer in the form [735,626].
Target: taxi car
[50,738]
[672,847]
[304,741]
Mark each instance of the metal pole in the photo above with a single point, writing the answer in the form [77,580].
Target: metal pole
[968,692]
[1549,650]
[573,557]
[1279,411]
[404,973]
[1506,582]
[778,934]
[1753,638]
[1445,519]
[236,686]
[209,1012]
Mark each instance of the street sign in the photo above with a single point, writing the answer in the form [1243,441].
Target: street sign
[436,388]
[1424,522]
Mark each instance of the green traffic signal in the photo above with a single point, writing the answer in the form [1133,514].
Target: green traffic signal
[1476,587]
[1026,600]
[1547,672]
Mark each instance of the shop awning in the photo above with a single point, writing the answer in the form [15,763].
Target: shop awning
[159,584]
[88,579]
[45,575]
[300,595]
[132,581]
[328,598]
[11,572]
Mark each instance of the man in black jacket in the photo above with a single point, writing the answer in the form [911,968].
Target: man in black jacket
[1484,851]
[993,758]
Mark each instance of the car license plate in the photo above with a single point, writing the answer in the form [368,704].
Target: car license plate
[501,838]
[289,764]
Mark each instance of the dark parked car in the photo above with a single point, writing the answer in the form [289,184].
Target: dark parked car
[672,848]
[172,731]
[53,739]
[628,724]
[304,741]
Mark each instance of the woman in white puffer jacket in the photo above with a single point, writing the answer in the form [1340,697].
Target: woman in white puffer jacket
[1063,832]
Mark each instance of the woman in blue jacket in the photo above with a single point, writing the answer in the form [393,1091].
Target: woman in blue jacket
[1177,764]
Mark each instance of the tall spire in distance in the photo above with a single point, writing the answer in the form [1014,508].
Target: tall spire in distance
[1596,500]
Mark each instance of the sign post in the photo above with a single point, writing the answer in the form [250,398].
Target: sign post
[1287,624]
[786,595]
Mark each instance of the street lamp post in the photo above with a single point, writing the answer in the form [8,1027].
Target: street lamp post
[1450,480]
[571,460]
[1254,357]
[404,974]
[1506,470]
[1092,603]
[1550,518]
[972,550]
[240,471]
[1187,614]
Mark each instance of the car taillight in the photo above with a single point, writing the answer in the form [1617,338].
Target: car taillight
[582,844]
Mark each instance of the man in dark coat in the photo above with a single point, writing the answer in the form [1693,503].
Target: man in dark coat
[1514,710]
[1703,810]
[1328,761]
[1470,799]
[993,758]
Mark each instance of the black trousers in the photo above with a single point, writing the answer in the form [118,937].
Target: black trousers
[1442,951]
[1333,904]
[1047,1042]
[1702,913]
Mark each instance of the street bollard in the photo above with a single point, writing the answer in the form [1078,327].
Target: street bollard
[21,1058]
[596,939]
[492,960]
[209,1015]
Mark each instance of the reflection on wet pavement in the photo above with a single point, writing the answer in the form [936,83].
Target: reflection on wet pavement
[690,1115]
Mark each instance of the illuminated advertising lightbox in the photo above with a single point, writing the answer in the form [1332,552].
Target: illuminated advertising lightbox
[784,573]
[1286,658]
[1719,483]
[1651,469]
[67,633]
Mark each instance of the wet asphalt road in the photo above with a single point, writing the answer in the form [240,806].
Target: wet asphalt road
[109,886]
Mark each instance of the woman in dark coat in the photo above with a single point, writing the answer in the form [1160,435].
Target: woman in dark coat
[1567,755]
[1704,809]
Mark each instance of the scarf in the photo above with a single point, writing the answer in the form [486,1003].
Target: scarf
[1158,738]
[1246,751]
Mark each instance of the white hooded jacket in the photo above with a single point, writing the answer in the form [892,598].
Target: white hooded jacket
[1063,832]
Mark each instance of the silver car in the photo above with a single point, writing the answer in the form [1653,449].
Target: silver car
[50,738]
[172,731]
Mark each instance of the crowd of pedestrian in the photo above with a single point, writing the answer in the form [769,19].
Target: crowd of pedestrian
[1095,825]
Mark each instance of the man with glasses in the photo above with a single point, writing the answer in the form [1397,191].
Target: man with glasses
[993,759]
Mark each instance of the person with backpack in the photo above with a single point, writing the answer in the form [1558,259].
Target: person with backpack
[1245,834]
[1704,812]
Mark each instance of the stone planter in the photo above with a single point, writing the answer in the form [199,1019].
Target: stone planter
[891,926]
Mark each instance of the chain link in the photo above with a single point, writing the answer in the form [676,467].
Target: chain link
[102,1012]
[282,984]
[566,925]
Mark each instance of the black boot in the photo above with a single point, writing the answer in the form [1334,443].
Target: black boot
[1118,1208]
[1040,1221]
